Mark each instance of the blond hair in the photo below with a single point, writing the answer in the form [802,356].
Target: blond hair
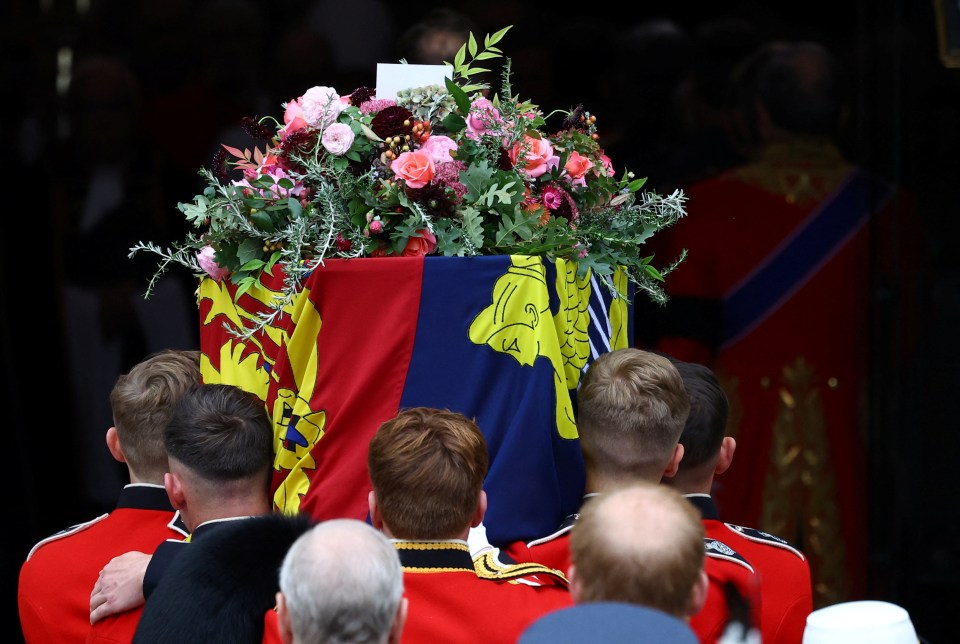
[631,409]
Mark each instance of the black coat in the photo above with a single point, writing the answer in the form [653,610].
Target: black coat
[221,586]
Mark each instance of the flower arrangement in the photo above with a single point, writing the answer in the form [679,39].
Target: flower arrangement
[442,170]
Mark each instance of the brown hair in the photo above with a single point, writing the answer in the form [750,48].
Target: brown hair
[143,401]
[427,467]
[631,408]
[642,544]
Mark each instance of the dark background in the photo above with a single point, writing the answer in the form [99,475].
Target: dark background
[202,65]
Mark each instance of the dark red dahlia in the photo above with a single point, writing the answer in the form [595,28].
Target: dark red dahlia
[503,160]
[390,121]
[435,198]
[362,95]
[255,129]
[220,166]
[573,121]
[300,141]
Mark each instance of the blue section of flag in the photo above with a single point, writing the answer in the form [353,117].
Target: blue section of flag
[535,477]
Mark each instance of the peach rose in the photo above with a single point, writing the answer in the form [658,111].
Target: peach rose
[293,119]
[416,168]
[537,156]
[420,246]
[577,166]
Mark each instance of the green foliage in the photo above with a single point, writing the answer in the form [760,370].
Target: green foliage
[499,183]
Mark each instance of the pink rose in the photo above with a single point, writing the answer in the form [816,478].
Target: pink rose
[207,262]
[321,106]
[438,148]
[416,168]
[293,119]
[577,166]
[337,138]
[533,157]
[420,246]
[607,165]
[483,117]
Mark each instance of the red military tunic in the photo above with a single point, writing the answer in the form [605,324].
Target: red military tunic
[783,572]
[775,297]
[454,598]
[59,574]
[552,551]
[722,564]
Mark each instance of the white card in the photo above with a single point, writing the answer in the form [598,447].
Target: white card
[393,77]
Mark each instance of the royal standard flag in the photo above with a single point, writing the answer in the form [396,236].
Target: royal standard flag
[501,339]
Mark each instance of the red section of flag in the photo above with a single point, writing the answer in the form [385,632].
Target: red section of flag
[369,313]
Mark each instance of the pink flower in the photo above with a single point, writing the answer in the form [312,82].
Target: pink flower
[438,148]
[376,226]
[607,165]
[207,262]
[482,118]
[577,166]
[321,106]
[416,168]
[552,198]
[533,157]
[375,105]
[343,245]
[276,173]
[293,119]
[337,138]
[420,246]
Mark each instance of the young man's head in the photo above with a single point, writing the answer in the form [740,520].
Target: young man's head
[143,400]
[640,544]
[341,582]
[707,451]
[631,408]
[427,467]
[220,446]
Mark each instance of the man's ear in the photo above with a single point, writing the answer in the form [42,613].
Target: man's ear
[674,464]
[375,519]
[698,595]
[727,447]
[399,620]
[574,584]
[113,444]
[174,486]
[481,510]
[283,620]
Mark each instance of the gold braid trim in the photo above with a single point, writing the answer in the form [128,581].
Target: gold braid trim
[431,545]
[488,567]
[799,493]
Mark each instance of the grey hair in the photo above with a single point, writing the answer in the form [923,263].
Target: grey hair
[342,583]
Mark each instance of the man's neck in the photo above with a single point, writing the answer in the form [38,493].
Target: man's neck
[227,509]
[598,483]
